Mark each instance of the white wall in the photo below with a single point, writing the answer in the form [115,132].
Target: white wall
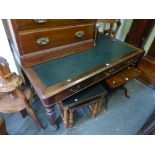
[5,50]
[124,29]
[150,40]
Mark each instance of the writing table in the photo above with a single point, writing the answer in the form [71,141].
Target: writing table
[60,78]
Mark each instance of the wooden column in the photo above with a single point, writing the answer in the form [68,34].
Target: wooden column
[50,112]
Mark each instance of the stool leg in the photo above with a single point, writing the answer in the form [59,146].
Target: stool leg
[65,117]
[34,117]
[3,127]
[91,107]
[71,118]
[23,113]
[125,91]
[99,106]
[20,94]
[95,109]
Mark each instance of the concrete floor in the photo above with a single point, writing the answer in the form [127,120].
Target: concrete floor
[124,116]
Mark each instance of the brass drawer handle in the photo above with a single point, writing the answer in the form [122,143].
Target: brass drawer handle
[40,21]
[77,89]
[79,34]
[43,41]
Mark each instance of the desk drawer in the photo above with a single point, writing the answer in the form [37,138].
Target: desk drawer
[42,39]
[26,24]
[122,77]
[73,90]
[129,62]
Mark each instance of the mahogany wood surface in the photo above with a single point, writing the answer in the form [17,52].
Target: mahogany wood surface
[57,37]
[147,67]
[139,31]
[54,53]
[151,51]
[26,24]
[61,35]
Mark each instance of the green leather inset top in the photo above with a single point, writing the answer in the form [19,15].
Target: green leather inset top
[58,70]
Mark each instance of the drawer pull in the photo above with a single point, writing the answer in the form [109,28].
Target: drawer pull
[79,34]
[74,91]
[126,79]
[43,41]
[40,21]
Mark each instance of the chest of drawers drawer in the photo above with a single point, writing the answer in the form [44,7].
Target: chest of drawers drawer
[26,24]
[41,39]
[36,41]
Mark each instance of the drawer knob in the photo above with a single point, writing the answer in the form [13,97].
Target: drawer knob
[75,90]
[126,79]
[79,34]
[43,41]
[40,21]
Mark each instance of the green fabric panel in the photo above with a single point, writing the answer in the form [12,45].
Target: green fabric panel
[58,70]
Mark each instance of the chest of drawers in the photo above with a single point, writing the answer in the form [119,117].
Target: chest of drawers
[40,40]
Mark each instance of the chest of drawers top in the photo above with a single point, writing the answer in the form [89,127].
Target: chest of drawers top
[27,24]
[40,40]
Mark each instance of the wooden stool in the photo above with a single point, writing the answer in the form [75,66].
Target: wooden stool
[14,98]
[118,80]
[2,127]
[93,97]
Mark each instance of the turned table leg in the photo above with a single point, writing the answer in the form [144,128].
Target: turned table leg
[49,108]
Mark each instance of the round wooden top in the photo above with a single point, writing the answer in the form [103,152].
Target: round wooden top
[10,104]
[10,83]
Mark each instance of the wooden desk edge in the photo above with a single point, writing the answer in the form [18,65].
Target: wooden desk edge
[37,84]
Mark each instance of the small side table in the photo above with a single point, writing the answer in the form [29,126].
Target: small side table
[118,80]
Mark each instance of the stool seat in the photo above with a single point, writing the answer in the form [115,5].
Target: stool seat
[92,96]
[10,104]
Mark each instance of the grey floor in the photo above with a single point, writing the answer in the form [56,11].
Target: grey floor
[124,116]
